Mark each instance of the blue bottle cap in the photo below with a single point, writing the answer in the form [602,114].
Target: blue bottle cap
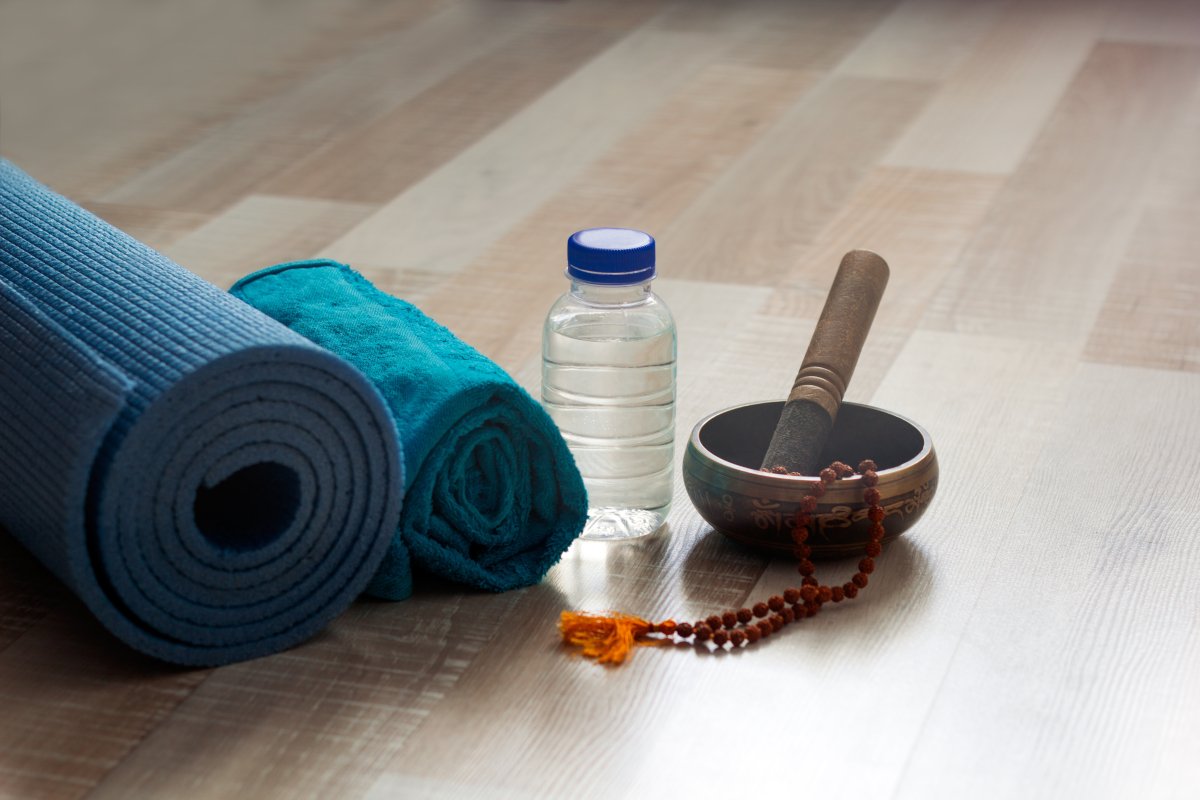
[615,256]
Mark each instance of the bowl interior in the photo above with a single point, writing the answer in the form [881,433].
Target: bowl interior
[741,435]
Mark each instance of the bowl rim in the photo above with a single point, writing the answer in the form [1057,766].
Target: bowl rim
[772,478]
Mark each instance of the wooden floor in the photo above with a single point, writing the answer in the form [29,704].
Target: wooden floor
[1031,170]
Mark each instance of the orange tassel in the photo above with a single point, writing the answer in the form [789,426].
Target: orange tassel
[606,638]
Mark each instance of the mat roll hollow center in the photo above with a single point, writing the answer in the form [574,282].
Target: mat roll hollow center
[250,508]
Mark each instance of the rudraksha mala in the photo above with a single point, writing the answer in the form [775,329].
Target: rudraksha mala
[609,638]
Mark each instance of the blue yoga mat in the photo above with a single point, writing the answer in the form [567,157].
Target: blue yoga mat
[214,486]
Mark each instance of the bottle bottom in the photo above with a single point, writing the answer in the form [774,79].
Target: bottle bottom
[617,524]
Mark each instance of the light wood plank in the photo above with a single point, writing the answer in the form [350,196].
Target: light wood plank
[1176,174]
[260,231]
[757,219]
[1093,578]
[1042,262]
[322,719]
[815,36]
[449,219]
[991,109]
[918,220]
[375,74]
[922,40]
[97,92]
[710,315]
[382,158]
[1156,21]
[1148,316]
[76,703]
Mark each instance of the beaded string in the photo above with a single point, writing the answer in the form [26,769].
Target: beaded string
[609,638]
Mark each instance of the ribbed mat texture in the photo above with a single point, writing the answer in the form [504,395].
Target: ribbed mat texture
[493,496]
[212,485]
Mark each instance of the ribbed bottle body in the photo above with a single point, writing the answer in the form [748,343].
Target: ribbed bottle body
[608,381]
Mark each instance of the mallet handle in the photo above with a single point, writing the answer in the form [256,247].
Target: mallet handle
[829,363]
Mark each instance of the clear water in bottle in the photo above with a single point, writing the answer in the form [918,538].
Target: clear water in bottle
[608,381]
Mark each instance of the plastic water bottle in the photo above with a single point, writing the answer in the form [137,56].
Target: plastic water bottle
[608,380]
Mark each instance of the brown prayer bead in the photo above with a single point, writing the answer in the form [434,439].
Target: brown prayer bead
[795,603]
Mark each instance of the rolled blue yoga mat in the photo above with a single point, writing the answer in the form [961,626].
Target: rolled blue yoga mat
[214,486]
[492,494]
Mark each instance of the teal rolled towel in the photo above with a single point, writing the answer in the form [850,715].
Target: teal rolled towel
[492,495]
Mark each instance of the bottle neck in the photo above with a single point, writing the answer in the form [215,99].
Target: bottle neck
[610,295]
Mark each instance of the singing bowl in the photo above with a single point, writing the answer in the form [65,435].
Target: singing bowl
[722,477]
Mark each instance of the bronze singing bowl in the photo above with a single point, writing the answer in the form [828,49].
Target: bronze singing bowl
[720,472]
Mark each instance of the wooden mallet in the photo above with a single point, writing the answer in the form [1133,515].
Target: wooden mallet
[812,406]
